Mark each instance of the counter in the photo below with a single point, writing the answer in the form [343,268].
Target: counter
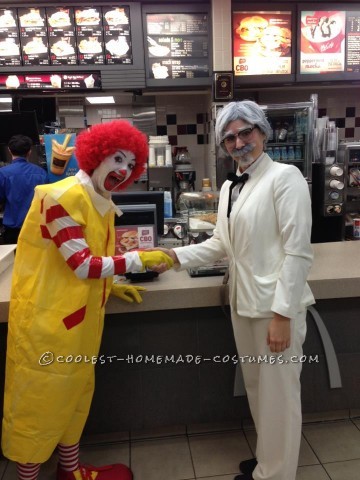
[335,274]
[180,318]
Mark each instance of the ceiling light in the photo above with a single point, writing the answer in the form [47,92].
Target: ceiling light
[100,100]
[5,99]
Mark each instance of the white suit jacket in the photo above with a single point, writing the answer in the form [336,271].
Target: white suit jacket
[267,242]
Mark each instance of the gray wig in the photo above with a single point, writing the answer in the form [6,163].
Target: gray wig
[246,110]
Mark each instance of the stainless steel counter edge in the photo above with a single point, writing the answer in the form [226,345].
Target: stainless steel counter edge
[335,274]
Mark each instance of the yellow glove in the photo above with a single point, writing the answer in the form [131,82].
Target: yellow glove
[152,259]
[129,293]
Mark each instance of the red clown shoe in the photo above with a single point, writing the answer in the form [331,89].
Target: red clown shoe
[89,472]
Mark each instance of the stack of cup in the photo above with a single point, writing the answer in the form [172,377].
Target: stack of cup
[159,151]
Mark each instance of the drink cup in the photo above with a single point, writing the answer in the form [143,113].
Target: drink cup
[60,156]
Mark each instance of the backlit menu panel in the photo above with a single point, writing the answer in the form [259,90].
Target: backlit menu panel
[117,35]
[61,32]
[178,45]
[262,43]
[9,38]
[322,44]
[33,36]
[84,80]
[89,33]
[352,60]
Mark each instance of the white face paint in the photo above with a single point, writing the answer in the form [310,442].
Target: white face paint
[113,171]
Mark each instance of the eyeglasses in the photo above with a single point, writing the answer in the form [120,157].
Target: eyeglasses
[244,135]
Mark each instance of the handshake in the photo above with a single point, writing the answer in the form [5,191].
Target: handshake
[158,260]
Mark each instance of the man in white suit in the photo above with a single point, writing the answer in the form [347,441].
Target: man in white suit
[263,227]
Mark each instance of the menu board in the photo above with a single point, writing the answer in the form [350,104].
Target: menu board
[178,45]
[262,43]
[116,21]
[33,36]
[322,44]
[9,38]
[352,60]
[61,32]
[84,80]
[89,33]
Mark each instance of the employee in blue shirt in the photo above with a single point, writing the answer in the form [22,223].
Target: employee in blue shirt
[17,183]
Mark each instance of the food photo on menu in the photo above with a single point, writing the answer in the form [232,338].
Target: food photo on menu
[156,49]
[60,18]
[116,16]
[32,19]
[9,47]
[90,45]
[117,47]
[89,16]
[62,47]
[7,19]
[35,46]
[262,43]
[160,71]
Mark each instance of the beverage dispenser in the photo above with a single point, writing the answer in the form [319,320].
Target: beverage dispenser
[184,174]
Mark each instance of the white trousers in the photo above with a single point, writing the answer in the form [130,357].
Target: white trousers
[273,390]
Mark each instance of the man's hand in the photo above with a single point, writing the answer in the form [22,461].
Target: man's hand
[168,252]
[156,260]
[278,337]
[129,293]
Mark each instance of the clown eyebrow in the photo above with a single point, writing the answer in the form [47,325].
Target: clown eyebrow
[124,155]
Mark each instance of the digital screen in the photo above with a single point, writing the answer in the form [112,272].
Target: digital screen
[61,32]
[117,35]
[9,38]
[33,36]
[322,41]
[89,80]
[178,45]
[262,43]
[89,33]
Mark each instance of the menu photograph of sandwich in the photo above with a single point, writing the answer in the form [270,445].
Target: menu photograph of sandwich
[90,45]
[7,18]
[116,16]
[32,17]
[59,18]
[262,43]
[35,46]
[88,16]
[62,47]
[9,47]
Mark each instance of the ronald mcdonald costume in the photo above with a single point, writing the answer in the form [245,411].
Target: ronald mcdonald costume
[57,310]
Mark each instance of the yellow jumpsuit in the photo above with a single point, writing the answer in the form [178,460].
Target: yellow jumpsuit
[48,404]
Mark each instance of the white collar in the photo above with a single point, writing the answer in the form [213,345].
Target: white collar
[102,203]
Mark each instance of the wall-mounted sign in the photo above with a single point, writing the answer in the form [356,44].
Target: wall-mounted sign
[89,32]
[117,35]
[262,43]
[223,86]
[61,32]
[9,38]
[53,81]
[322,45]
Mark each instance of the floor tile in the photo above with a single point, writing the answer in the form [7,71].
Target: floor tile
[162,459]
[306,455]
[105,454]
[158,432]
[314,472]
[344,470]
[105,438]
[213,427]
[217,477]
[357,422]
[218,454]
[331,442]
[325,416]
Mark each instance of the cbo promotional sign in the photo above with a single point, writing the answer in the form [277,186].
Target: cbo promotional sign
[60,158]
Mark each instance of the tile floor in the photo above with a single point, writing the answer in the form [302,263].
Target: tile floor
[329,450]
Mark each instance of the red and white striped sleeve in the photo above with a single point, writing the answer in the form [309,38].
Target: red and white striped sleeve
[69,238]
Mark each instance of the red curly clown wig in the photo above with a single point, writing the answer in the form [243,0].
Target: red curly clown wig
[102,140]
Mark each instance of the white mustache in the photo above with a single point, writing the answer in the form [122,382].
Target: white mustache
[241,152]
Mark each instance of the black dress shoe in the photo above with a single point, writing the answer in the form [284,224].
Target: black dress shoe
[248,466]
[245,476]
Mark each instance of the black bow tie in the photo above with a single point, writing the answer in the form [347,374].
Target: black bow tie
[235,180]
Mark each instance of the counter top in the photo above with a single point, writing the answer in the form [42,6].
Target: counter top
[335,274]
